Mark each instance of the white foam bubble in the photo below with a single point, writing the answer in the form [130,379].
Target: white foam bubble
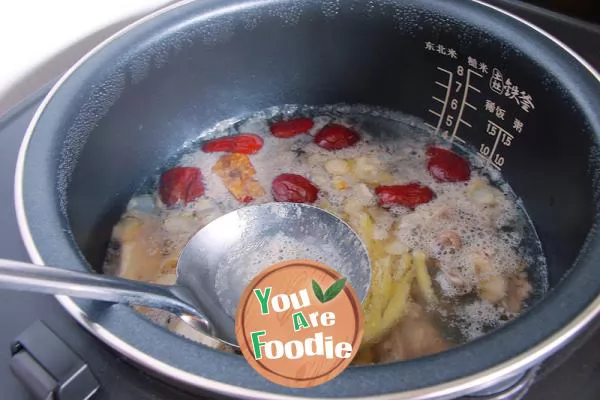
[475,318]
[243,263]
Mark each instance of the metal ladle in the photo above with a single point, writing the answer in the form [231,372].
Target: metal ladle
[216,265]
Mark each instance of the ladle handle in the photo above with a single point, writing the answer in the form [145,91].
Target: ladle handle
[22,276]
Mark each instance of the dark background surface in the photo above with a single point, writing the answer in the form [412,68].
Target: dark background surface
[588,10]
[572,373]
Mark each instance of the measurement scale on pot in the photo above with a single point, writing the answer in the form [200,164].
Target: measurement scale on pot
[469,95]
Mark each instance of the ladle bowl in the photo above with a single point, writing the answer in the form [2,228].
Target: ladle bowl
[216,265]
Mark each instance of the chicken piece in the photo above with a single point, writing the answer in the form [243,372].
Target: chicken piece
[482,265]
[442,212]
[450,239]
[453,282]
[370,170]
[518,290]
[492,286]
[140,255]
[492,289]
[415,336]
[482,193]
[337,166]
[237,173]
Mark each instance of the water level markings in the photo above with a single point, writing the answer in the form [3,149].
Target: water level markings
[444,116]
[448,88]
[464,103]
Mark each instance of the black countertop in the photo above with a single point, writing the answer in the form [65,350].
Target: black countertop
[572,373]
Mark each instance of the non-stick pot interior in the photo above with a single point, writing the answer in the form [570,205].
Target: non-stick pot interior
[128,109]
[183,81]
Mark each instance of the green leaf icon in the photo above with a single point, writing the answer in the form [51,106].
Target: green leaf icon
[334,290]
[317,291]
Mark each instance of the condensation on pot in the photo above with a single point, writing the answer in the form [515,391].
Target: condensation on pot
[101,98]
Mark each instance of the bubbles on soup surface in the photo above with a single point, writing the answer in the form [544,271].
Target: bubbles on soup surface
[453,266]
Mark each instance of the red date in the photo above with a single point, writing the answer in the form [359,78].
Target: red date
[246,143]
[446,166]
[410,195]
[294,188]
[291,128]
[180,185]
[336,137]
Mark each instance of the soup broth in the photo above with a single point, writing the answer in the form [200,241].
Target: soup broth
[454,254]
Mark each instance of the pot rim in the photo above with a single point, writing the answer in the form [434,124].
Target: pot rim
[457,387]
